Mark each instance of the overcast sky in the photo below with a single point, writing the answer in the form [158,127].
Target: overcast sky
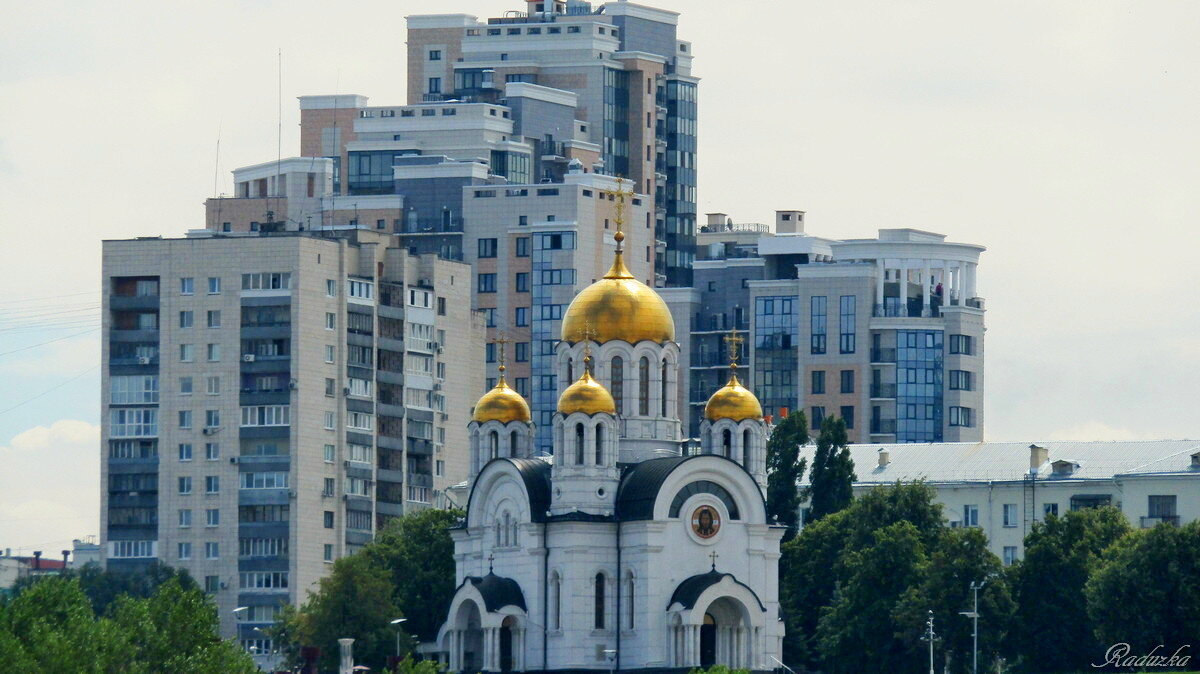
[1060,135]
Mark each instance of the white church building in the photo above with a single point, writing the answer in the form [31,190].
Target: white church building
[618,553]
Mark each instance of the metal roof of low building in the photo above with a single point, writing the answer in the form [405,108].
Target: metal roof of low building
[944,462]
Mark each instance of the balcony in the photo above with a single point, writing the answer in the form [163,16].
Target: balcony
[431,226]
[883,356]
[132,302]
[883,391]
[883,427]
[1151,522]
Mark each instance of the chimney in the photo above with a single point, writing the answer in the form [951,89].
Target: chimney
[1196,460]
[37,560]
[1037,456]
[885,457]
[783,412]
[66,555]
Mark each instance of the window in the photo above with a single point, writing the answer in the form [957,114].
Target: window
[330,321]
[185,419]
[212,418]
[489,316]
[359,520]
[214,285]
[1010,555]
[522,281]
[360,421]
[213,387]
[266,415]
[330,353]
[1010,514]
[522,246]
[644,386]
[487,248]
[185,551]
[185,518]
[185,485]
[187,286]
[598,622]
[328,519]
[131,390]
[487,283]
[329,422]
[1050,509]
[267,513]
[1163,507]
[131,549]
[185,452]
[961,344]
[970,516]
[434,55]
[521,352]
[212,517]
[960,416]
[212,584]
[817,322]
[212,451]
[359,453]
[818,382]
[521,316]
[212,484]
[818,415]
[186,353]
[363,290]
[329,487]
[356,486]
[185,385]
[214,318]
[330,288]
[847,381]
[328,555]
[265,480]
[359,387]
[847,412]
[213,353]
[435,85]
[186,319]
[960,380]
[267,281]
[846,336]
[558,277]
[263,580]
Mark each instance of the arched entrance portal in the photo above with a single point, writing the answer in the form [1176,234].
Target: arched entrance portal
[506,644]
[469,625]
[708,641]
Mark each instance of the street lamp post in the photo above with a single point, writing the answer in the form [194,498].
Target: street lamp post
[611,654]
[930,636]
[974,616]
[397,622]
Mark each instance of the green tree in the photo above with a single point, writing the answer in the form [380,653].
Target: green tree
[1052,631]
[1145,591]
[857,632]
[355,600]
[418,554]
[832,471]
[785,469]
[960,557]
[811,568]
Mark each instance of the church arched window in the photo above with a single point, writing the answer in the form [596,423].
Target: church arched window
[727,443]
[512,444]
[617,383]
[644,387]
[599,445]
[599,617]
[629,600]
[579,444]
[746,439]
[494,440]
[664,388]
[507,530]
[498,533]
[570,371]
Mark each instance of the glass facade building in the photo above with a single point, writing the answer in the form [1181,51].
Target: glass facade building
[775,359]
[919,387]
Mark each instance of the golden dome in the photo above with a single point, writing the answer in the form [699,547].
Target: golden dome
[618,307]
[502,404]
[588,396]
[733,401]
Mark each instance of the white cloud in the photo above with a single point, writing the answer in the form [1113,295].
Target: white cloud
[50,486]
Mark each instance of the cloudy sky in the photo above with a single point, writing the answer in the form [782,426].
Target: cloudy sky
[1061,135]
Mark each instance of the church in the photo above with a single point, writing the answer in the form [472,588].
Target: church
[618,552]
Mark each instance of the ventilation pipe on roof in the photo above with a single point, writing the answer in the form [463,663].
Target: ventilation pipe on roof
[1196,460]
[37,560]
[885,457]
[1037,456]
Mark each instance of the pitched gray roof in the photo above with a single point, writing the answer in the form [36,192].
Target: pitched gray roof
[1001,461]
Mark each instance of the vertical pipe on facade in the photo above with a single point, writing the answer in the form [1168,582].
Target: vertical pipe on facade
[546,594]
[617,621]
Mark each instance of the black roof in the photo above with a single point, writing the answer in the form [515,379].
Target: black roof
[497,591]
[690,590]
[641,483]
[535,473]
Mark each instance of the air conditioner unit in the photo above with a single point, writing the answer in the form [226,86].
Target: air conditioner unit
[291,493]
[223,585]
[247,358]
[233,459]
[346,391]
[292,384]
[437,386]
[143,360]
[345,464]
[211,429]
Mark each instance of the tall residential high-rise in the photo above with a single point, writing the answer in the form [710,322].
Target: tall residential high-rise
[271,398]
[887,333]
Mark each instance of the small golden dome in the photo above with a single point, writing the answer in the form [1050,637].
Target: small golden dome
[733,401]
[588,396]
[502,404]
[618,307]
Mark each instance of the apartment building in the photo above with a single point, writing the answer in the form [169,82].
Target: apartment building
[272,398]
[1004,487]
[887,333]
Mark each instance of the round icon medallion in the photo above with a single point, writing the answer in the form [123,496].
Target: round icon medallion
[706,521]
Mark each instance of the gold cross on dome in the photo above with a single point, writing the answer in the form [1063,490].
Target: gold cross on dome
[588,334]
[620,193]
[491,559]
[502,341]
[734,342]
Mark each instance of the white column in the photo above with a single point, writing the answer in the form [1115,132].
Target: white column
[904,287]
[925,288]
[881,264]
[970,290]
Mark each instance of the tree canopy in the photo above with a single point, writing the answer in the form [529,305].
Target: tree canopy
[785,469]
[832,475]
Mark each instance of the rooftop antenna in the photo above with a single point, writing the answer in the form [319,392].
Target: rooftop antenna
[278,129]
